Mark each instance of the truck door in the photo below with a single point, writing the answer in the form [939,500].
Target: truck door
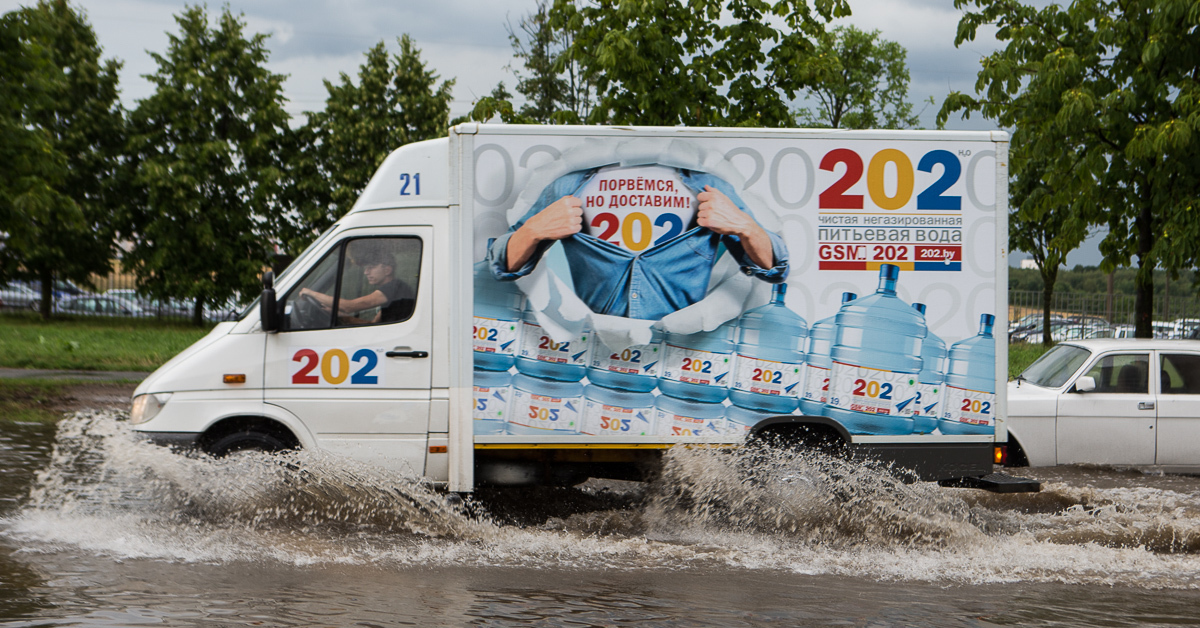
[1113,424]
[352,358]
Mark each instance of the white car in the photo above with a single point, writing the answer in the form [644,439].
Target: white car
[1107,401]
[19,296]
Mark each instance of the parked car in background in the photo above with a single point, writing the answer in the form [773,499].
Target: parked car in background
[1124,402]
[1163,330]
[94,305]
[1183,327]
[18,296]
[62,289]
[230,310]
[173,308]
[1024,321]
[1033,332]
[1072,331]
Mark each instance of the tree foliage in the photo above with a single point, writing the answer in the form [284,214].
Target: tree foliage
[208,164]
[396,101]
[866,87]
[1104,100]
[61,137]
[553,85]
[698,63]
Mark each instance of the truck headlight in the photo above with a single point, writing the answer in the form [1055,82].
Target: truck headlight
[146,407]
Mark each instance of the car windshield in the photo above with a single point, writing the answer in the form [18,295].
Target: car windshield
[1055,366]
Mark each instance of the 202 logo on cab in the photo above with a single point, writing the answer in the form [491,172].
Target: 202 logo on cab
[333,366]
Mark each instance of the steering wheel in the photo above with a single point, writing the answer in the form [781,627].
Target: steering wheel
[307,313]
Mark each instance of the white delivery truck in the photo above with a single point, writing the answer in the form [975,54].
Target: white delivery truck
[543,304]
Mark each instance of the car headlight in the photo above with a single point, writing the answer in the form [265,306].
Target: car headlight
[146,407]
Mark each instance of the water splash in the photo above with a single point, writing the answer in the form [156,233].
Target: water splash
[105,492]
[809,497]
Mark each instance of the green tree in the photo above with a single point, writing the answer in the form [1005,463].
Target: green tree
[208,163]
[1038,226]
[867,86]
[1103,98]
[699,62]
[552,84]
[397,101]
[63,133]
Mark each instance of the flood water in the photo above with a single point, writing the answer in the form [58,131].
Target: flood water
[97,529]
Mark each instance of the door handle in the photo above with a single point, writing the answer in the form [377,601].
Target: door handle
[407,354]
[1145,405]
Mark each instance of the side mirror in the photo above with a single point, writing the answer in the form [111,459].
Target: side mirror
[268,311]
[1085,384]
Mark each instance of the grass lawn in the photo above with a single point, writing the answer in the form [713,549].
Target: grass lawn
[91,343]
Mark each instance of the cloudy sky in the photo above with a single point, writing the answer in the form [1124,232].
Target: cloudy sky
[466,40]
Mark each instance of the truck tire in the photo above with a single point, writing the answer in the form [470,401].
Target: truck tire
[246,441]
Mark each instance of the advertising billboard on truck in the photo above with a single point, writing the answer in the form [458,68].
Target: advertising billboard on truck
[695,285]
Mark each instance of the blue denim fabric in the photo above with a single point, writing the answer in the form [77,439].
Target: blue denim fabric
[658,281]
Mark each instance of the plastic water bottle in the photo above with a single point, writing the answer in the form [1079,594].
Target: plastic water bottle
[816,369]
[498,307]
[683,417]
[541,406]
[697,366]
[608,412]
[493,389]
[970,406]
[739,420]
[542,356]
[930,382]
[876,359]
[769,367]
[634,368]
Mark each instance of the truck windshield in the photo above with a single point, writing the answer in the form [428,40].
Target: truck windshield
[1055,366]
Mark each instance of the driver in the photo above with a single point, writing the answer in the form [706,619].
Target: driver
[379,269]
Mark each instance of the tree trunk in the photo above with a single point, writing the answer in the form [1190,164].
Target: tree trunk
[1047,298]
[47,304]
[198,312]
[1049,277]
[1108,301]
[1143,304]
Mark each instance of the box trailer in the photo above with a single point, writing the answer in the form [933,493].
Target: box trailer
[542,304]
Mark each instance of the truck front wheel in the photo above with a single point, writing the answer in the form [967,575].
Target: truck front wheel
[246,441]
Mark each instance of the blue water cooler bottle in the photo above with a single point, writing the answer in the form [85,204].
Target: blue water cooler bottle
[739,420]
[931,381]
[544,406]
[970,401]
[497,325]
[686,417]
[609,412]
[769,367]
[696,367]
[876,360]
[541,356]
[634,369]
[817,366]
[493,389]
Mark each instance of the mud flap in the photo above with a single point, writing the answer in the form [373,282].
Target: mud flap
[996,483]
